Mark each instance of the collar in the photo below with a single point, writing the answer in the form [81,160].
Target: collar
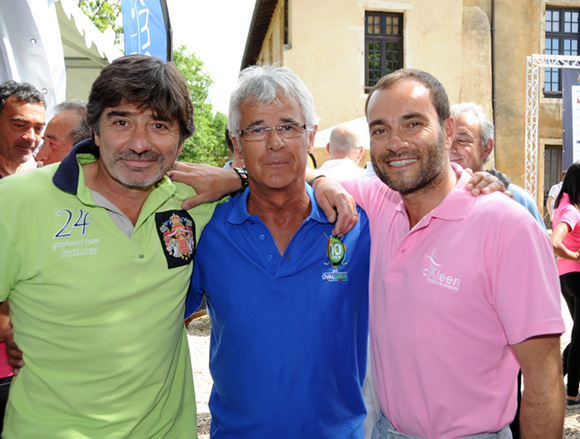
[333,163]
[67,175]
[240,213]
[455,205]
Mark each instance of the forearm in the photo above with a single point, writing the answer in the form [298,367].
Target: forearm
[211,183]
[550,209]
[311,173]
[543,399]
[562,252]
[542,414]
[4,320]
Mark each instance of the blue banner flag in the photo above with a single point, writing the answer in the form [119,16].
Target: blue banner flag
[146,28]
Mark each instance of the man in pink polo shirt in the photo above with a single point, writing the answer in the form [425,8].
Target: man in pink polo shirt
[463,289]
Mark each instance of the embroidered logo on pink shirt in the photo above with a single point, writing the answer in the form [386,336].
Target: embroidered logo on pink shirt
[435,275]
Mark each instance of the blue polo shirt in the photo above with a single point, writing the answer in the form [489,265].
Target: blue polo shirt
[289,333]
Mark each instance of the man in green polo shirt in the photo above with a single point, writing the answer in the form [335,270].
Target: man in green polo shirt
[96,258]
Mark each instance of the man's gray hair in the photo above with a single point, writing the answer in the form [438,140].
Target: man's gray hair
[262,85]
[487,130]
[81,131]
[77,105]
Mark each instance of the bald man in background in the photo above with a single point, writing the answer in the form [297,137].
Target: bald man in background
[345,147]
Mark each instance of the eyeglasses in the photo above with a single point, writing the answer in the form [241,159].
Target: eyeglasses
[286,131]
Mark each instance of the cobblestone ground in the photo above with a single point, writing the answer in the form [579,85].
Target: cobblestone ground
[198,337]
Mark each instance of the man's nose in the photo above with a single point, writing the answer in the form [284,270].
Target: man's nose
[140,140]
[397,142]
[274,141]
[32,136]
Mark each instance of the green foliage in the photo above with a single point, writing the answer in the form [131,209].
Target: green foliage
[208,144]
[104,14]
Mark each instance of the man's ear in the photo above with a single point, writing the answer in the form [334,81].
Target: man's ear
[328,148]
[449,130]
[96,137]
[180,147]
[311,136]
[237,147]
[487,149]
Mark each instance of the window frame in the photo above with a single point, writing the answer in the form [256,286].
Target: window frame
[561,36]
[384,38]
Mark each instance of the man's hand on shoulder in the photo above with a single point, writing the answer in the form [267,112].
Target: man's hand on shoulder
[336,203]
[210,182]
[484,183]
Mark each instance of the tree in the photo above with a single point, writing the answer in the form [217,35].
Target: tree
[208,144]
[104,15]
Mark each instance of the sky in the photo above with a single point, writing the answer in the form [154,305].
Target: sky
[216,32]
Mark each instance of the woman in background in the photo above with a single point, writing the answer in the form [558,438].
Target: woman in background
[566,243]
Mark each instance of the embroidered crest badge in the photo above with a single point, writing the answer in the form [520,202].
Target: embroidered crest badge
[176,231]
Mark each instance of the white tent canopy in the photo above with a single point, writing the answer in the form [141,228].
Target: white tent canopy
[86,49]
[53,45]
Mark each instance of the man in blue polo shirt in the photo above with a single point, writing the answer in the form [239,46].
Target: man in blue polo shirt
[289,329]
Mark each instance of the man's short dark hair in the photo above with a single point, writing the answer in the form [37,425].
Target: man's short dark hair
[21,91]
[438,94]
[147,82]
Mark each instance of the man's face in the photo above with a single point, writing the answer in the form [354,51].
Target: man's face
[57,139]
[274,162]
[21,126]
[408,144]
[136,147]
[466,149]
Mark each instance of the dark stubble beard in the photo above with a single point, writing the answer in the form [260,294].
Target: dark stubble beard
[431,161]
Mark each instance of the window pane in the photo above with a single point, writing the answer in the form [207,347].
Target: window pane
[570,47]
[551,82]
[567,22]
[373,25]
[570,21]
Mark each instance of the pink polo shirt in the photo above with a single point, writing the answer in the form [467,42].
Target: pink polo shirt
[447,299]
[569,214]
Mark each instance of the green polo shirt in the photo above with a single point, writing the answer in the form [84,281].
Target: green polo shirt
[97,314]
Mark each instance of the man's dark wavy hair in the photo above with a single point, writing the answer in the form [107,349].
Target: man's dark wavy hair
[147,82]
[21,91]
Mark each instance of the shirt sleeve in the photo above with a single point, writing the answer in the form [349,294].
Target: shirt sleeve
[554,191]
[568,214]
[195,293]
[365,190]
[528,304]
